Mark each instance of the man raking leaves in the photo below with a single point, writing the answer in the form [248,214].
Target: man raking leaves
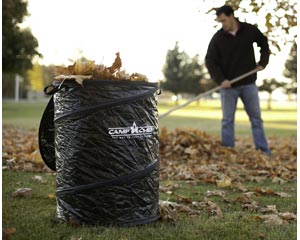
[230,53]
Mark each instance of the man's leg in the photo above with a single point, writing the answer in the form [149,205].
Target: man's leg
[249,96]
[229,97]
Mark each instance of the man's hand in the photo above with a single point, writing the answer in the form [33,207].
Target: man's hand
[226,84]
[259,68]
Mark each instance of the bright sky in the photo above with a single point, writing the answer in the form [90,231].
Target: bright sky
[142,31]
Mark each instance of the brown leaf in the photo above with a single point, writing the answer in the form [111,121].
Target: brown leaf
[23,193]
[252,206]
[241,187]
[183,199]
[58,70]
[278,180]
[288,216]
[244,198]
[168,210]
[216,212]
[224,182]
[282,194]
[52,196]
[272,219]
[39,179]
[84,68]
[215,193]
[7,232]
[269,209]
[262,191]
[116,65]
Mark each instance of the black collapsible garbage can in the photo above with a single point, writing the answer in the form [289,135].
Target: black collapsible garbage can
[102,140]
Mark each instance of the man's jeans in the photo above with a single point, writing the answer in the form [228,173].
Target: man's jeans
[249,97]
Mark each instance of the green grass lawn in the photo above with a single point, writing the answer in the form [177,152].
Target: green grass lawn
[281,120]
[33,218]
[23,114]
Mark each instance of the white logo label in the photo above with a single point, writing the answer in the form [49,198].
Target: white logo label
[131,132]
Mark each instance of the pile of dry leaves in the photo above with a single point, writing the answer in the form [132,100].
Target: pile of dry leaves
[20,150]
[189,154]
[186,154]
[82,70]
[194,156]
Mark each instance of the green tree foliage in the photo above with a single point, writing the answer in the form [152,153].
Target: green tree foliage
[291,70]
[270,85]
[19,46]
[182,73]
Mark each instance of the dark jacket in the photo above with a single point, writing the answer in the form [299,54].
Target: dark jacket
[230,56]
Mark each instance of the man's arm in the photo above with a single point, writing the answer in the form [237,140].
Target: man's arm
[212,63]
[262,42]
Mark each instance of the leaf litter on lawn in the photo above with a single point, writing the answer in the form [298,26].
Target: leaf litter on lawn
[193,156]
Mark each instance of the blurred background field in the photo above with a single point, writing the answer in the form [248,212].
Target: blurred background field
[204,115]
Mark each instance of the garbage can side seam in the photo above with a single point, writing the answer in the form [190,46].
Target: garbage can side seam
[107,104]
[119,180]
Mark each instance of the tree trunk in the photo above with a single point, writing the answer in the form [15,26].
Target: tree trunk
[269,101]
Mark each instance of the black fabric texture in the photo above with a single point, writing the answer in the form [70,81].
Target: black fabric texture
[106,155]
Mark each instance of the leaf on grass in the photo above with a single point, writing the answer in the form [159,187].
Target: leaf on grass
[76,238]
[270,192]
[211,207]
[278,180]
[269,209]
[241,187]
[288,216]
[39,179]
[224,182]
[10,163]
[169,187]
[187,209]
[272,219]
[183,199]
[253,206]
[244,198]
[215,212]
[7,232]
[258,179]
[52,196]
[22,193]
[282,194]
[262,191]
[199,205]
[215,193]
[168,210]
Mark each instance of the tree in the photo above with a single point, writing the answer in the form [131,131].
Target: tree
[19,46]
[193,72]
[280,18]
[291,70]
[269,85]
[171,70]
[182,73]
